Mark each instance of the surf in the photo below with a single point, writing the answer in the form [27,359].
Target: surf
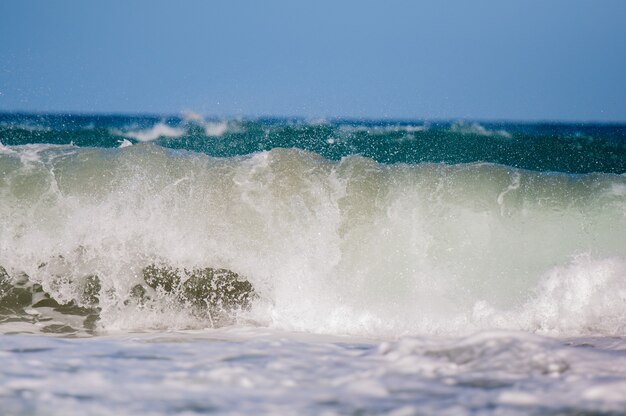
[336,247]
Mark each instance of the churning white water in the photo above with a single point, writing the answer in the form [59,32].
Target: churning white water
[351,287]
[349,247]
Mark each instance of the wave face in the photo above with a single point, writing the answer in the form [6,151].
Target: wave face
[348,246]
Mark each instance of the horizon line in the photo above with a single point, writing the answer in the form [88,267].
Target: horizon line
[181,115]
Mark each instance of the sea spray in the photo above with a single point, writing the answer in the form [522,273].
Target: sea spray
[347,247]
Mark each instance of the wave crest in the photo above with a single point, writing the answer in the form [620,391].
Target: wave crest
[331,247]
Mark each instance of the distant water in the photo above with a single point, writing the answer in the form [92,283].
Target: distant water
[185,265]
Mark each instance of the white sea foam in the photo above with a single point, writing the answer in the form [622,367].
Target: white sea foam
[158,130]
[5,149]
[272,372]
[215,129]
[211,128]
[476,128]
[125,143]
[350,247]
[585,293]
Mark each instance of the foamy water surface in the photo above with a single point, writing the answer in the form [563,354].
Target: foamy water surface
[192,266]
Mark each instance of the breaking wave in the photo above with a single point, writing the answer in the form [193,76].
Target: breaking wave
[157,131]
[146,237]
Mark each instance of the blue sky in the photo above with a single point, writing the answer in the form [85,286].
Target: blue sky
[517,60]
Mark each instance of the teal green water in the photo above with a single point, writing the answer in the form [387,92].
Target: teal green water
[551,147]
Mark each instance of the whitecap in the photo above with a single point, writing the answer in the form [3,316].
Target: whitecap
[157,131]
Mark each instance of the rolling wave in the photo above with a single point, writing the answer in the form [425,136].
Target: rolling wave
[349,246]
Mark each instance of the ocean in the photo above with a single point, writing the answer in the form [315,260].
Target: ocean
[184,265]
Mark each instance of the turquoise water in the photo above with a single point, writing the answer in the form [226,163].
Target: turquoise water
[183,265]
[559,147]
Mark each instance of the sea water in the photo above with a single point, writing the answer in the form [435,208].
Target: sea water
[177,265]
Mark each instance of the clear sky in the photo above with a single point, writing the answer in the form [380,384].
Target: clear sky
[497,59]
